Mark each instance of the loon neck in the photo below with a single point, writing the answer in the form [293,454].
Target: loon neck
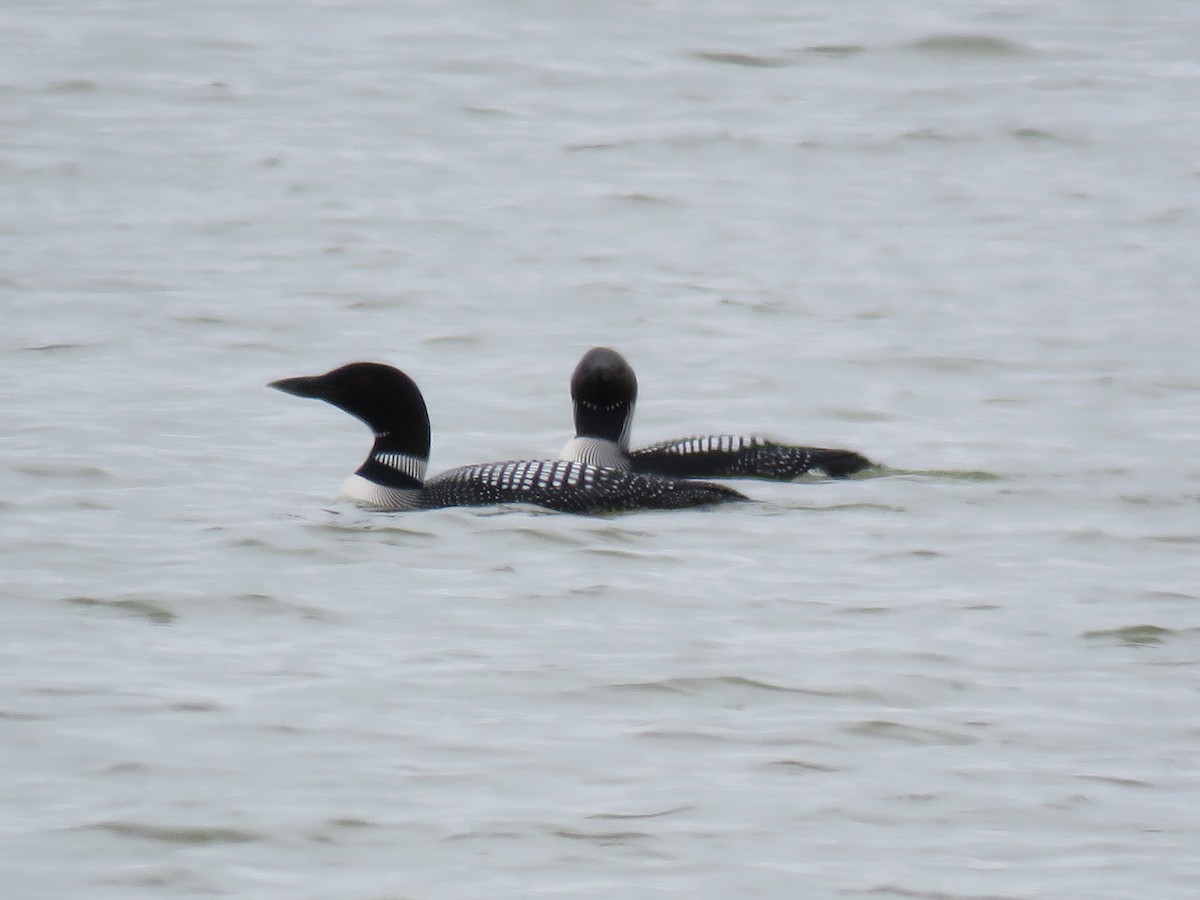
[604,391]
[392,465]
[606,423]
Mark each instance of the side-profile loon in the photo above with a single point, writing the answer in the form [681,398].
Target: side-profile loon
[604,391]
[393,475]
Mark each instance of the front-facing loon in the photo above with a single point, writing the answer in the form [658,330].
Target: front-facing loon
[392,477]
[604,392]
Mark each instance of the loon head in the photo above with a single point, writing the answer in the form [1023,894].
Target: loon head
[604,391]
[392,406]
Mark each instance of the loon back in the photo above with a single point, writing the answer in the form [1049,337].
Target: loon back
[393,475]
[735,456]
[569,486]
[604,391]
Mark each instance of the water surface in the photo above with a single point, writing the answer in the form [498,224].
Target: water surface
[959,240]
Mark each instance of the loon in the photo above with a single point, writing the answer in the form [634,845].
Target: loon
[392,477]
[604,391]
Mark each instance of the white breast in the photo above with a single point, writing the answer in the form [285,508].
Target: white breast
[379,497]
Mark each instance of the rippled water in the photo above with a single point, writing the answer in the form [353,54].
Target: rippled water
[959,238]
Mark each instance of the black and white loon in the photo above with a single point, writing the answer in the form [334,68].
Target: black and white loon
[393,475]
[604,392]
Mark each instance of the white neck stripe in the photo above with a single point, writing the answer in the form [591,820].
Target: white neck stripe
[412,466]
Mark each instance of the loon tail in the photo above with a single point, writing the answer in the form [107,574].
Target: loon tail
[839,463]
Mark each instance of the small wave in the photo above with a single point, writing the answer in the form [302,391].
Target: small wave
[549,536]
[979,45]
[61,470]
[807,766]
[72,86]
[269,604]
[351,822]
[1132,634]
[907,734]
[622,553]
[1183,540]
[603,838]
[127,768]
[451,340]
[597,145]
[707,684]
[695,737]
[208,321]
[868,416]
[888,890]
[836,50]
[145,609]
[55,347]
[379,524]
[1027,133]
[195,836]
[933,136]
[947,474]
[489,834]
[20,716]
[745,60]
[500,111]
[372,302]
[1163,500]
[758,307]
[650,815]
[639,197]
[196,706]
[843,507]
[1170,596]
[1115,780]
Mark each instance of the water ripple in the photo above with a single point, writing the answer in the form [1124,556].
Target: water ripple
[703,685]
[55,347]
[1115,780]
[1132,634]
[649,815]
[836,50]
[151,610]
[601,838]
[743,60]
[978,45]
[807,766]
[907,734]
[888,890]
[195,836]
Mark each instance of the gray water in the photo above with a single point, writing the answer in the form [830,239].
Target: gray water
[960,238]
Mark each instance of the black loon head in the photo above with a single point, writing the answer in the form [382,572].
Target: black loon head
[392,406]
[604,391]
